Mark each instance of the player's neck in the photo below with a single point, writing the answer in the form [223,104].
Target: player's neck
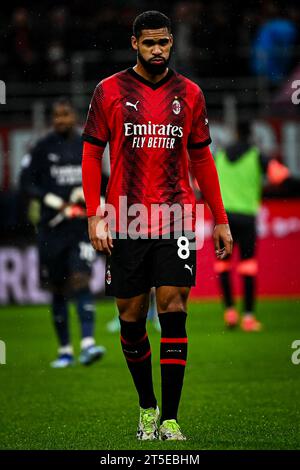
[139,69]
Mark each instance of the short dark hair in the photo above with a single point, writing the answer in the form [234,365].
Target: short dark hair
[63,101]
[151,19]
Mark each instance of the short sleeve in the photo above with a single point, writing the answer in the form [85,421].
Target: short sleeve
[199,136]
[96,129]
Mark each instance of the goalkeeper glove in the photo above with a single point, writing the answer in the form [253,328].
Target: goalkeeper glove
[77,196]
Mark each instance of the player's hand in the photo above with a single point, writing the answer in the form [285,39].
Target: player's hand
[223,241]
[100,236]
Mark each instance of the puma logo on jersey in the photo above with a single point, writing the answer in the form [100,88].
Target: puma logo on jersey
[132,105]
[190,268]
[205,121]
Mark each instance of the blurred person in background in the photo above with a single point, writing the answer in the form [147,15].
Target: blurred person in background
[241,168]
[59,42]
[21,46]
[51,173]
[273,46]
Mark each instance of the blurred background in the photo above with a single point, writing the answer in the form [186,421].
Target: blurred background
[245,56]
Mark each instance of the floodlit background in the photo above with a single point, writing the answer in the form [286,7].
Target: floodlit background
[241,390]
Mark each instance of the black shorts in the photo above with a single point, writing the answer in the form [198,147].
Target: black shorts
[137,265]
[64,252]
[243,230]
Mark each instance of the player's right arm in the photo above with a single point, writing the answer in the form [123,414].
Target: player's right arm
[95,136]
[31,179]
[31,169]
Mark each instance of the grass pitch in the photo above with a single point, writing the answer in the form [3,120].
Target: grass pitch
[241,391]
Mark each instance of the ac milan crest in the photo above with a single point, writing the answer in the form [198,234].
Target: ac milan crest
[176,107]
[108,276]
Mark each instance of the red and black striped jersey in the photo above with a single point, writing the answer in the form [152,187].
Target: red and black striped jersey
[150,128]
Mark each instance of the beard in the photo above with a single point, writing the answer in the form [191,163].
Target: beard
[151,67]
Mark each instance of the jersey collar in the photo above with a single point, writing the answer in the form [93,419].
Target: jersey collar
[154,86]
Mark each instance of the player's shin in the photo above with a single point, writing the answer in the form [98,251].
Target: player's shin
[223,269]
[137,352]
[60,319]
[247,268]
[86,311]
[173,355]
[90,352]
[249,293]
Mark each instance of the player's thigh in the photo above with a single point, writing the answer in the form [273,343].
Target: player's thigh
[81,257]
[247,239]
[127,270]
[235,224]
[173,262]
[53,262]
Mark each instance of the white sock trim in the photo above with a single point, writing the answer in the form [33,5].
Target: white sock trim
[68,349]
[87,342]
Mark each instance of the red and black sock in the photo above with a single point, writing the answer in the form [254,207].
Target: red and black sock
[137,352]
[173,354]
[249,293]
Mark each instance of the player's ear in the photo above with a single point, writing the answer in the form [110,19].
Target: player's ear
[171,39]
[134,43]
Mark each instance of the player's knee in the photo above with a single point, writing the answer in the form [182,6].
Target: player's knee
[173,305]
[248,267]
[222,266]
[173,300]
[79,281]
[133,309]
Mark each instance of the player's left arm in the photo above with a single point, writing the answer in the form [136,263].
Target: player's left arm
[204,170]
